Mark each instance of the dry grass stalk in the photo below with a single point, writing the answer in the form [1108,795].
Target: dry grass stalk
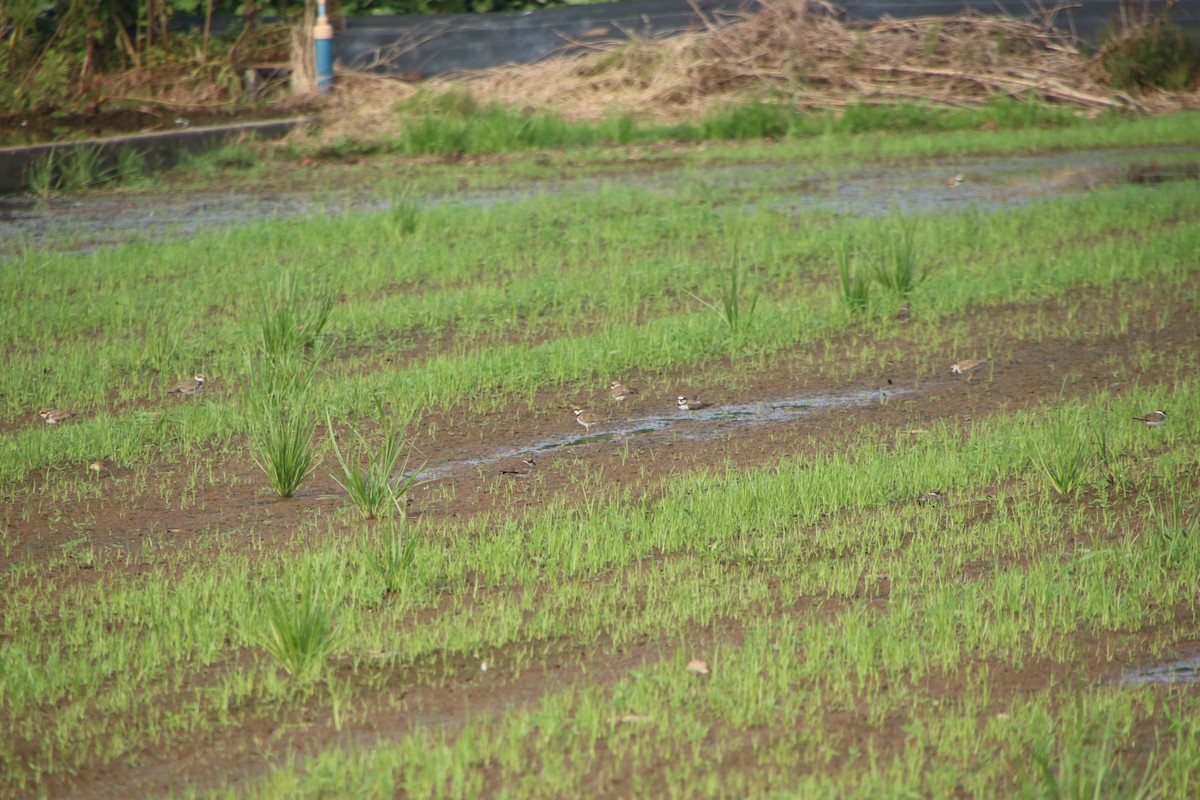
[301,57]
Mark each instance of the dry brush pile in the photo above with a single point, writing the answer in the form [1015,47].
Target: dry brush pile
[802,52]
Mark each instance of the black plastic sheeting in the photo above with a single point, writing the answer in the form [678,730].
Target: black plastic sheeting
[418,46]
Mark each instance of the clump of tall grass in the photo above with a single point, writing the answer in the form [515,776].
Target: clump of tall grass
[404,214]
[84,167]
[734,312]
[282,420]
[896,266]
[390,560]
[131,165]
[367,476]
[300,633]
[286,451]
[855,285]
[1109,458]
[161,345]
[293,316]
[1175,527]
[1079,771]
[1063,452]
[41,176]
[73,170]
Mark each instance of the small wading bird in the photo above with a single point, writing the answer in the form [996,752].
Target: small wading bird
[620,392]
[905,313]
[190,386]
[586,418]
[53,416]
[933,498]
[1154,419]
[691,403]
[955,181]
[524,471]
[968,367]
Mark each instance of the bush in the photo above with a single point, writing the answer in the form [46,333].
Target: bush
[1149,51]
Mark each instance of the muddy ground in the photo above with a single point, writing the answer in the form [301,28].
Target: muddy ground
[469,453]
[757,417]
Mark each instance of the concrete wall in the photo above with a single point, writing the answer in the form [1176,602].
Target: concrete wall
[159,148]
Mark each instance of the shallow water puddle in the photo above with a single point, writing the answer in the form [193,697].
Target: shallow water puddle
[708,423]
[987,185]
[85,223]
[1185,670]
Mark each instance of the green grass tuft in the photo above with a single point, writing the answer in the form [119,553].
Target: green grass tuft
[300,633]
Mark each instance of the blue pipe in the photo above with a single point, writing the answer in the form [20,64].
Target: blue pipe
[323,47]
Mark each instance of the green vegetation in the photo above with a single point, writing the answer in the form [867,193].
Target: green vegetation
[447,124]
[897,266]
[292,319]
[281,417]
[80,168]
[733,311]
[284,440]
[1065,453]
[301,634]
[500,291]
[368,479]
[1149,51]
[852,278]
[392,560]
[539,639]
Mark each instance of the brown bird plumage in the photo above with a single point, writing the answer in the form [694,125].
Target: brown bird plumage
[587,418]
[691,403]
[620,392]
[968,367]
[190,386]
[1155,419]
[53,416]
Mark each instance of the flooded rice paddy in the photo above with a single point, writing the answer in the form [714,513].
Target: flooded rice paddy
[86,222]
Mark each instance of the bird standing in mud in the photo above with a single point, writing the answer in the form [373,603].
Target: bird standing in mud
[586,417]
[691,403]
[968,367]
[524,471]
[620,392]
